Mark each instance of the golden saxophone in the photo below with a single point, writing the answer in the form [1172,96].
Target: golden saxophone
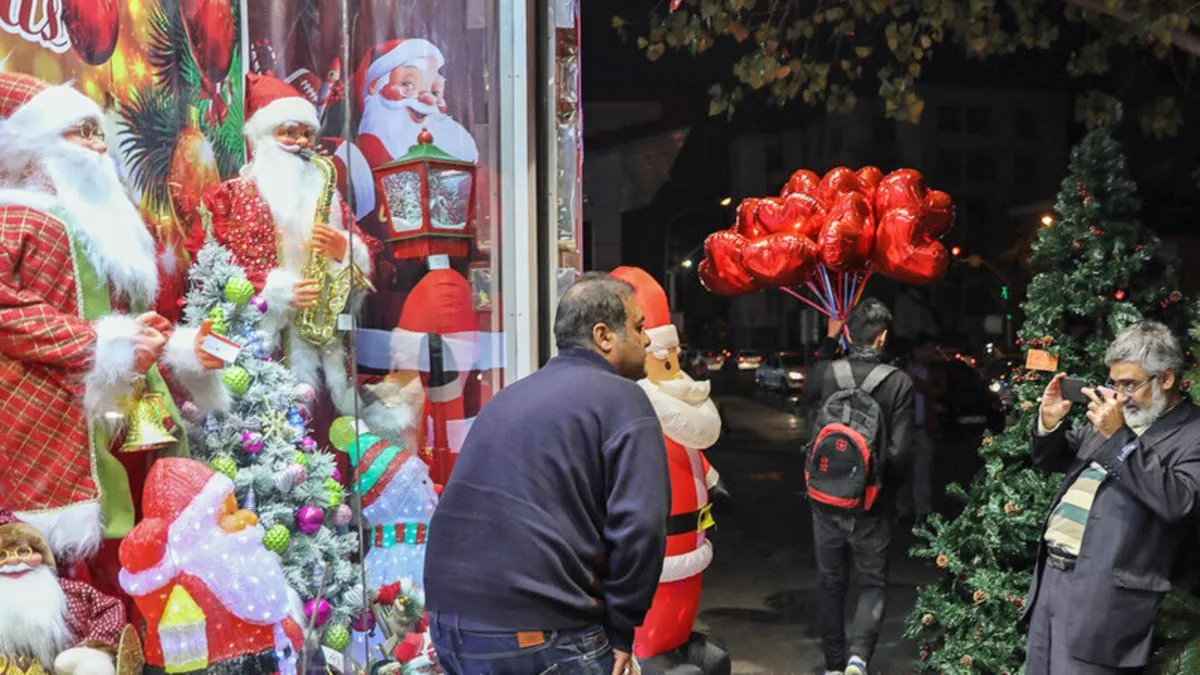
[317,325]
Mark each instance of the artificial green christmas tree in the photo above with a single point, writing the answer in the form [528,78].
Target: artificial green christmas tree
[263,445]
[1100,270]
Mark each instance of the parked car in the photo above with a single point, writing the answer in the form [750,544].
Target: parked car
[713,360]
[782,372]
[747,359]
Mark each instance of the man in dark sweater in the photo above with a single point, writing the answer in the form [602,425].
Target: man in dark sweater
[547,546]
[866,535]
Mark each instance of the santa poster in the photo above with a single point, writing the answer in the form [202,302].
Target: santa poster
[166,73]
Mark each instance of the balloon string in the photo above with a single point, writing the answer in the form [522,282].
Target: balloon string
[820,298]
[810,303]
[862,285]
[828,287]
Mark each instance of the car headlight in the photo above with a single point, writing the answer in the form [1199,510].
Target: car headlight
[796,376]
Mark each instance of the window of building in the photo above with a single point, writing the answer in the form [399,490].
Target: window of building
[949,166]
[1026,122]
[949,119]
[978,120]
[1025,171]
[981,166]
[774,154]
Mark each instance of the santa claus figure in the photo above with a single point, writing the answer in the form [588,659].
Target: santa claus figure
[435,345]
[79,343]
[691,424]
[401,91]
[48,624]
[214,598]
[283,207]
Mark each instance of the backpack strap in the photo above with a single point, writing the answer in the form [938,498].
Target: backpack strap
[843,374]
[876,377]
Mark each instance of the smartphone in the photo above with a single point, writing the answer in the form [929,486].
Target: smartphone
[1072,390]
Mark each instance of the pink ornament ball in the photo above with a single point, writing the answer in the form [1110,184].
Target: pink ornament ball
[305,393]
[308,445]
[337,474]
[260,303]
[342,516]
[191,413]
[363,622]
[317,612]
[309,519]
[252,442]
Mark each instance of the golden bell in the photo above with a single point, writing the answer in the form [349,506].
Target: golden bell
[145,430]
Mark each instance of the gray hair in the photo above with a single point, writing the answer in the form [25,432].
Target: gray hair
[1149,344]
[594,298]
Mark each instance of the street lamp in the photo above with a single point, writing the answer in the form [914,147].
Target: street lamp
[1047,220]
[686,264]
[727,201]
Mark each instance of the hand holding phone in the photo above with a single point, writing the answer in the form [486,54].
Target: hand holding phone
[1072,390]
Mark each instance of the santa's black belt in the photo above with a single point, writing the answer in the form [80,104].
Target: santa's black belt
[691,522]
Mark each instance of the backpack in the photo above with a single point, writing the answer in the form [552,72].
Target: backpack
[843,468]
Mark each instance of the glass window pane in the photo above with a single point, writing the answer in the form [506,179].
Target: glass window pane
[402,192]
[449,198]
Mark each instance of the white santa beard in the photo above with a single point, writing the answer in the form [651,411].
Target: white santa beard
[243,575]
[33,616]
[686,416]
[391,122]
[115,238]
[291,186]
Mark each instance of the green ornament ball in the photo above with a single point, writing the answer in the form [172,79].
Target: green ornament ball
[333,490]
[277,539]
[301,459]
[239,290]
[224,464]
[217,314]
[236,379]
[220,328]
[342,433]
[337,638]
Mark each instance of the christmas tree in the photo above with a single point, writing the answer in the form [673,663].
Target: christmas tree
[1100,270]
[262,444]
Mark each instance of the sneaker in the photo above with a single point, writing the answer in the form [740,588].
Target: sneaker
[856,666]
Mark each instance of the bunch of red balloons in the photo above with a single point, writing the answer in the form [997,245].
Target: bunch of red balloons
[833,231]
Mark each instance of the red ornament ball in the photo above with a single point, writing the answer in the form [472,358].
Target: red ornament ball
[1119,294]
[93,26]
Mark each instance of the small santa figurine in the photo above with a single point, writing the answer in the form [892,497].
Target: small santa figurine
[272,216]
[691,424]
[214,598]
[49,624]
[401,91]
[79,340]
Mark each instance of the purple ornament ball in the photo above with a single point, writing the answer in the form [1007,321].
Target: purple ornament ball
[252,442]
[337,474]
[342,516]
[260,303]
[309,519]
[308,445]
[305,393]
[317,612]
[363,622]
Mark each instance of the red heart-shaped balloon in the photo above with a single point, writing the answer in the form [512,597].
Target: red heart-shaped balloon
[781,259]
[797,213]
[903,188]
[868,178]
[747,219]
[904,251]
[938,211]
[803,182]
[849,233]
[836,183]
[722,271]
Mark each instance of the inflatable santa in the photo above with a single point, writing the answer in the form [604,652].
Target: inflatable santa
[214,598]
[48,624]
[400,91]
[691,424]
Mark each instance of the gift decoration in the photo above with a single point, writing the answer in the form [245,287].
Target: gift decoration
[823,238]
[428,203]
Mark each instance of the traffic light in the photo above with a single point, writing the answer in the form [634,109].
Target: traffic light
[1004,292]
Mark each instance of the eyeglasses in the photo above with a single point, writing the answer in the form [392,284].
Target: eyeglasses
[1128,387]
[19,553]
[88,130]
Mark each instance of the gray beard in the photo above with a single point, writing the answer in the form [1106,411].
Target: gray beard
[1141,418]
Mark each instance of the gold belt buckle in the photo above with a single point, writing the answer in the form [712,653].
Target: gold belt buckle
[705,519]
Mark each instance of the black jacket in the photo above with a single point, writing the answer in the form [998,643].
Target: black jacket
[1138,523]
[895,398]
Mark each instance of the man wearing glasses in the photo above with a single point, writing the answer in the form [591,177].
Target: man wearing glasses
[1115,535]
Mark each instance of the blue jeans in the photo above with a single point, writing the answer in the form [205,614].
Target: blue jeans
[583,651]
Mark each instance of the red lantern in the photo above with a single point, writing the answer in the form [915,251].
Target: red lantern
[428,202]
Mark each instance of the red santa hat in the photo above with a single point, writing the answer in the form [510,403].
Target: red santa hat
[33,111]
[14,532]
[271,102]
[653,301]
[439,304]
[179,484]
[388,56]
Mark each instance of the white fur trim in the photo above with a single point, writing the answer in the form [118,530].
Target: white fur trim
[50,113]
[204,386]
[84,661]
[289,110]
[662,340]
[112,373]
[278,291]
[711,477]
[31,198]
[72,532]
[358,176]
[402,54]
[684,565]
[360,255]
[691,425]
